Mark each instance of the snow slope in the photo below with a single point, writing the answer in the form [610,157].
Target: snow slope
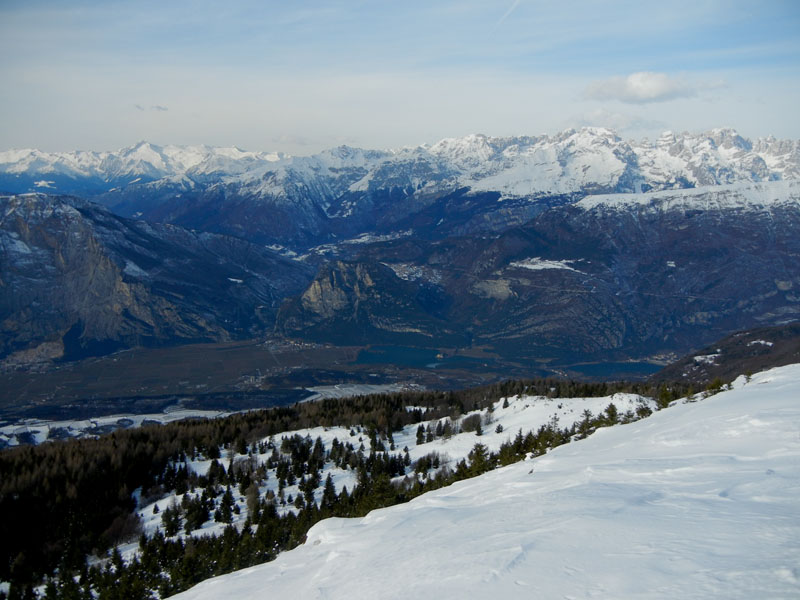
[140,160]
[735,196]
[519,413]
[697,501]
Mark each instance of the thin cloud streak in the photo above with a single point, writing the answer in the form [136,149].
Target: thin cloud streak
[507,14]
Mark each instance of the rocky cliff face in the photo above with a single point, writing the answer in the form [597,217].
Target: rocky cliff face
[76,280]
[365,302]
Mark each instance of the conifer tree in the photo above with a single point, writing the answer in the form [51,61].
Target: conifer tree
[328,494]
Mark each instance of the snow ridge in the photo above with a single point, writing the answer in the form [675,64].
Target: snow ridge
[736,196]
[143,159]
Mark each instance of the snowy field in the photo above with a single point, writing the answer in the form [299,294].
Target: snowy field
[700,500]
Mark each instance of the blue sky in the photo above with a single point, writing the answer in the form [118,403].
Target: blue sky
[301,76]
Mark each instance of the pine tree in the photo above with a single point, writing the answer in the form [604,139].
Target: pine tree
[328,494]
[612,414]
[171,520]
[479,459]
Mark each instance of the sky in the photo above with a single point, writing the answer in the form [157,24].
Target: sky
[298,77]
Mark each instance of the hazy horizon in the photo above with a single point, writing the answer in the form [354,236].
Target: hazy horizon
[426,143]
[280,78]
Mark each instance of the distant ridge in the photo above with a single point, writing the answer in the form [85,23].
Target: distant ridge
[590,159]
[741,353]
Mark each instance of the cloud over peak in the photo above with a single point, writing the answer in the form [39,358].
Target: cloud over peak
[641,88]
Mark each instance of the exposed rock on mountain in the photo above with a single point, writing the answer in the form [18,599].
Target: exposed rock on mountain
[76,280]
[537,247]
[365,302]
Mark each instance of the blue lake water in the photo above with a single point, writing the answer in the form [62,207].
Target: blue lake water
[404,356]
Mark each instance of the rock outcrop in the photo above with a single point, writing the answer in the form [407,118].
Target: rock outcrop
[76,280]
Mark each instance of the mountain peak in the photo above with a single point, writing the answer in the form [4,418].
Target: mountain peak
[729,138]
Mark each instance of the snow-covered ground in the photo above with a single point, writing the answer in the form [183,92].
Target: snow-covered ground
[37,431]
[701,500]
[344,390]
[743,196]
[525,413]
[519,413]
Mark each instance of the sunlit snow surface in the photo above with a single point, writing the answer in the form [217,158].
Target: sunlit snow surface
[736,196]
[701,500]
[522,413]
[540,264]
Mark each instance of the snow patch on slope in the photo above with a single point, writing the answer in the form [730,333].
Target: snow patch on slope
[541,264]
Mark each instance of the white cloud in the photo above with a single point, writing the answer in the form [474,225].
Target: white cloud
[641,88]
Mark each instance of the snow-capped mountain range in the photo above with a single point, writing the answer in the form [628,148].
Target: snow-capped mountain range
[142,161]
[589,160]
[641,217]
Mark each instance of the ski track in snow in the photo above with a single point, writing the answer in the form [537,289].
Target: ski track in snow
[697,501]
